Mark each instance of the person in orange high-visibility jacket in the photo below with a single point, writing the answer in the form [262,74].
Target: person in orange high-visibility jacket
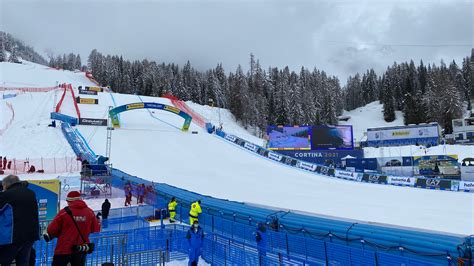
[172,209]
[194,212]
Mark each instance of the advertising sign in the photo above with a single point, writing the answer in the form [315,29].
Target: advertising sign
[47,195]
[306,166]
[251,146]
[332,157]
[87,100]
[289,138]
[347,175]
[403,135]
[332,138]
[93,122]
[466,186]
[436,165]
[135,106]
[434,183]
[275,156]
[87,92]
[401,180]
[381,179]
[97,89]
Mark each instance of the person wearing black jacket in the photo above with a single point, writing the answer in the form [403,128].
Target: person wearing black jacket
[105,209]
[18,220]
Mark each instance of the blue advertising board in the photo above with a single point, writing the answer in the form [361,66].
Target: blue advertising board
[332,157]
[47,196]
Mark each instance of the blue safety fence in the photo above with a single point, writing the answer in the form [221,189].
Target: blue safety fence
[169,243]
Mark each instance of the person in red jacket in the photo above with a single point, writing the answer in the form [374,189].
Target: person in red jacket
[68,235]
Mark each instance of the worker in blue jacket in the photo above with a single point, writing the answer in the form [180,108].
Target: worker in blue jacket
[195,238]
[261,238]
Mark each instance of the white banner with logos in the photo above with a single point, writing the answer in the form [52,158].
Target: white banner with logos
[230,137]
[274,156]
[347,175]
[306,166]
[402,133]
[251,146]
[401,180]
[466,186]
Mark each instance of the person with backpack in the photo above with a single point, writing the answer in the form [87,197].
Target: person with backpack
[72,226]
[195,237]
[19,221]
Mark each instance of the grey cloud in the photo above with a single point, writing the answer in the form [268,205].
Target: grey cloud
[340,37]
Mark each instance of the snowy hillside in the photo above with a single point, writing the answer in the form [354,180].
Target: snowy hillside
[369,116]
[151,145]
[28,135]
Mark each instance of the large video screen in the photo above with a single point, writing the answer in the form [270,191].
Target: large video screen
[332,138]
[289,138]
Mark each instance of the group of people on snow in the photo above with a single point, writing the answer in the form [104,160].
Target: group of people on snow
[140,192]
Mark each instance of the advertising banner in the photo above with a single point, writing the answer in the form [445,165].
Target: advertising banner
[401,180]
[250,146]
[434,183]
[332,138]
[97,89]
[275,156]
[403,135]
[306,166]
[93,122]
[289,138]
[347,175]
[466,186]
[47,195]
[230,138]
[332,157]
[380,179]
[87,92]
[87,100]
[289,161]
[436,165]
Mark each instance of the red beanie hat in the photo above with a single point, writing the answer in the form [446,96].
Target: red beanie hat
[73,195]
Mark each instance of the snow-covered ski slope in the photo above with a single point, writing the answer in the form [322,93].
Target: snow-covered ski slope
[150,144]
[29,135]
[158,151]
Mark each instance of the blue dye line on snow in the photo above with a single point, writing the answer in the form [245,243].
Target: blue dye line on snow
[151,114]
[85,143]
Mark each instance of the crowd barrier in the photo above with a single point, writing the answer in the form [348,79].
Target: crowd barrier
[10,121]
[160,245]
[418,182]
[55,165]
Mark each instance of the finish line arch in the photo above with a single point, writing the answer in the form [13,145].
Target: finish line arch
[113,113]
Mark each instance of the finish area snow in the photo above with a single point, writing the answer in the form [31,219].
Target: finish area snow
[151,146]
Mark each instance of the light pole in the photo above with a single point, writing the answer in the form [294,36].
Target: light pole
[220,97]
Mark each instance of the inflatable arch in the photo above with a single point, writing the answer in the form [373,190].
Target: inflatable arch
[113,113]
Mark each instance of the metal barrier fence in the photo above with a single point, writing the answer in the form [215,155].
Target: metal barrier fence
[158,246]
[430,247]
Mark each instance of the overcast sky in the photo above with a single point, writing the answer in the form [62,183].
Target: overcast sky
[340,37]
